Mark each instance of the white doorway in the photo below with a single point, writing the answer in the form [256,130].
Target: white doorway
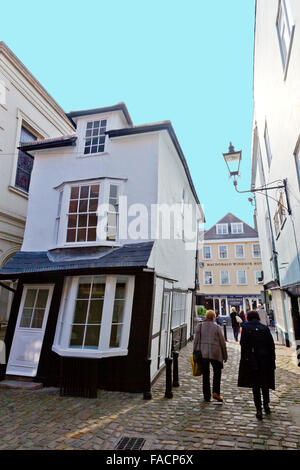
[30,329]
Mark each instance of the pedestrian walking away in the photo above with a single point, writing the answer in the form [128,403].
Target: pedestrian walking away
[210,349]
[235,323]
[242,316]
[257,363]
[263,316]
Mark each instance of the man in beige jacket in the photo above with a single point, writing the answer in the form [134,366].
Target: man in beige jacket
[210,342]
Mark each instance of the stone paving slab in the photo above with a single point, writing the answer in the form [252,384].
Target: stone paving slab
[42,419]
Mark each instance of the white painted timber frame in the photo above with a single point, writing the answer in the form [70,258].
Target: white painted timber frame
[60,235]
[66,313]
[27,338]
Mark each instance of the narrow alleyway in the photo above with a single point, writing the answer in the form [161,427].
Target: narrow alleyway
[43,420]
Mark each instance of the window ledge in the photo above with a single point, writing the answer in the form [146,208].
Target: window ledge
[87,244]
[89,353]
[100,154]
[18,191]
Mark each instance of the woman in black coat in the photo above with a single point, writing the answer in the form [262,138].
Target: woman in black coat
[257,364]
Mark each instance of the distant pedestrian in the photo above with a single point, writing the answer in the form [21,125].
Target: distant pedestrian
[235,322]
[242,316]
[257,364]
[210,348]
[263,316]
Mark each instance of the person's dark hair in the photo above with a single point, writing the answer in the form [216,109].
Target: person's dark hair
[252,315]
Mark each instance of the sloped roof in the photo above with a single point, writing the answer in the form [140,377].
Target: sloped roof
[107,109]
[24,262]
[229,218]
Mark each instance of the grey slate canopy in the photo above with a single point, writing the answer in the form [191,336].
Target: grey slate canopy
[229,218]
[131,255]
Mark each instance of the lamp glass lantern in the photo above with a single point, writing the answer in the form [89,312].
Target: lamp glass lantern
[233,160]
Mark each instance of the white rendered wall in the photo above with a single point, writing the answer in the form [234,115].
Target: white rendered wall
[277,103]
[134,159]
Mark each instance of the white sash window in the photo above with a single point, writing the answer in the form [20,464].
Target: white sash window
[95,316]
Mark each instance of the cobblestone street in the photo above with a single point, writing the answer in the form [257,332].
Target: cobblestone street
[44,420]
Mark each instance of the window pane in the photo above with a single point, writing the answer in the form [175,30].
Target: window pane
[94,190]
[42,298]
[77,336]
[83,205]
[30,297]
[93,220]
[38,317]
[73,206]
[81,235]
[115,337]
[72,219]
[95,313]
[84,288]
[118,311]
[74,192]
[71,234]
[22,180]
[80,311]
[120,290]
[92,337]
[93,205]
[84,192]
[26,318]
[82,221]
[92,235]
[98,288]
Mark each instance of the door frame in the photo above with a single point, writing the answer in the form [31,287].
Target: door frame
[25,288]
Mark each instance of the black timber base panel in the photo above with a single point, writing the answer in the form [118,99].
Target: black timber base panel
[83,376]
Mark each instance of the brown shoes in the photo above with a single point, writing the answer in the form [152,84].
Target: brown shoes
[217,397]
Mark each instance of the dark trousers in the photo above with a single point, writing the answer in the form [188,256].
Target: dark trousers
[257,396]
[236,330]
[217,368]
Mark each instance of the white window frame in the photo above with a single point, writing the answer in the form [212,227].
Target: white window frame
[219,251]
[26,288]
[220,229]
[255,277]
[178,309]
[85,138]
[103,199]
[224,283]
[238,280]
[267,145]
[297,161]
[235,251]
[23,121]
[237,224]
[211,277]
[253,254]
[66,313]
[288,26]
[203,255]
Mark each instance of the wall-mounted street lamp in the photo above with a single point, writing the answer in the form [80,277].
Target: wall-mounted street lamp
[233,161]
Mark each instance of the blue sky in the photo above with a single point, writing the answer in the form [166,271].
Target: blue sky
[189,62]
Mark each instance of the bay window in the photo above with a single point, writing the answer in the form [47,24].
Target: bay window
[82,215]
[88,212]
[95,316]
